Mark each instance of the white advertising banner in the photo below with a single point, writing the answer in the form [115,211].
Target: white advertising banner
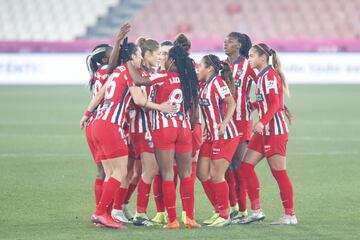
[66,68]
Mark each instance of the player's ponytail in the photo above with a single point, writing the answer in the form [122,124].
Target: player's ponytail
[273,59]
[95,60]
[221,67]
[183,41]
[188,78]
[277,66]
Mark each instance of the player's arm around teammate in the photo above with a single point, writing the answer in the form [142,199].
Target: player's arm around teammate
[270,134]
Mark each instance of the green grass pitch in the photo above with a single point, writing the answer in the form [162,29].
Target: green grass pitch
[46,173]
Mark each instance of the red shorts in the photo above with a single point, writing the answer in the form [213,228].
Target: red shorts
[244,129]
[142,142]
[218,149]
[170,138]
[269,145]
[94,151]
[132,153]
[109,140]
[196,138]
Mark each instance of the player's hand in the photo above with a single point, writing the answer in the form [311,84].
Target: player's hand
[258,128]
[168,107]
[124,30]
[288,114]
[221,129]
[83,121]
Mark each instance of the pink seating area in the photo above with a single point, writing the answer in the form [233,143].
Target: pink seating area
[261,19]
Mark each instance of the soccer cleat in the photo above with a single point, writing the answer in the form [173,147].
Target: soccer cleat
[99,225]
[286,220]
[106,220]
[172,225]
[119,216]
[234,214]
[240,215]
[211,219]
[221,222]
[140,219]
[183,217]
[255,216]
[160,218]
[191,223]
[128,214]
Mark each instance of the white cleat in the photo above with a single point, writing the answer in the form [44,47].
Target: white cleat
[254,216]
[119,216]
[286,220]
[128,214]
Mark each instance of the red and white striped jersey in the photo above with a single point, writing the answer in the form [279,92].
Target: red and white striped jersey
[213,108]
[270,102]
[243,76]
[139,118]
[167,87]
[99,79]
[117,97]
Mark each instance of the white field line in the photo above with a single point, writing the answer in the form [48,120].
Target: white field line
[325,139]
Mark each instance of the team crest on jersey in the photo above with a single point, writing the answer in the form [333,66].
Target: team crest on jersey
[239,71]
[204,102]
[237,82]
[106,105]
[259,97]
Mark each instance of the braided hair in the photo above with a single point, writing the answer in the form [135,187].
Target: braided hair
[222,67]
[95,60]
[245,42]
[188,78]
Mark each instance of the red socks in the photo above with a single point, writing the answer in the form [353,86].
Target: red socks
[241,191]
[286,191]
[208,186]
[222,198]
[119,198]
[247,172]
[107,196]
[129,193]
[169,194]
[143,194]
[187,196]
[98,189]
[230,179]
[157,189]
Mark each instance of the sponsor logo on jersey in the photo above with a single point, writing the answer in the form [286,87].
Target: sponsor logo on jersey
[171,115]
[225,90]
[270,84]
[174,80]
[204,102]
[106,105]
[259,97]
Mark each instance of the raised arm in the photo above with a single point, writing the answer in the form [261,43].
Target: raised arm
[114,56]
[138,79]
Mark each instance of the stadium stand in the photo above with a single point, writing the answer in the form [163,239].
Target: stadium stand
[280,19]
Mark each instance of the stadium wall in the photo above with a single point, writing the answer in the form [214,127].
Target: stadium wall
[70,68]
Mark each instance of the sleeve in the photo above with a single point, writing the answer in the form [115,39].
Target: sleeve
[271,87]
[252,74]
[221,88]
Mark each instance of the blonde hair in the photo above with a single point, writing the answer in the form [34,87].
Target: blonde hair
[261,49]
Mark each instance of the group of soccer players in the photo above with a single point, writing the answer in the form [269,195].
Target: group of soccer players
[157,116]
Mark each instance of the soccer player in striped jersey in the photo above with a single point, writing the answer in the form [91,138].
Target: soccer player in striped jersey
[196,131]
[236,47]
[141,135]
[178,85]
[97,64]
[270,135]
[218,106]
[107,127]
[160,216]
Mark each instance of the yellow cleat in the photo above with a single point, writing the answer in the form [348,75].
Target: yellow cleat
[212,219]
[160,218]
[183,217]
[221,222]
